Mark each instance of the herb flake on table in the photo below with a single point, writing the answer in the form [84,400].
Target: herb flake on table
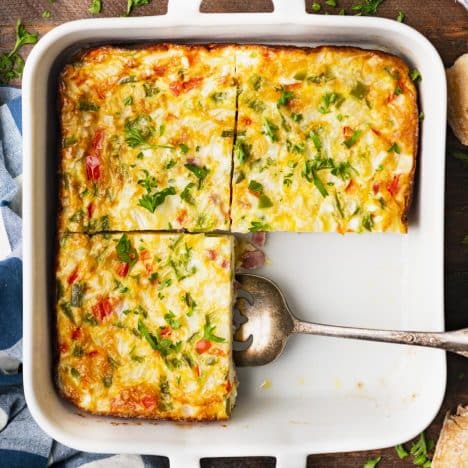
[401,16]
[372,462]
[46,14]
[366,7]
[95,7]
[131,4]
[11,63]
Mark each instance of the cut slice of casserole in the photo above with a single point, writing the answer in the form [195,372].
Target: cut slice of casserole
[144,324]
[147,139]
[326,140]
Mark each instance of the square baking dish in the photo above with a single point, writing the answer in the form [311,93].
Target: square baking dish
[324,394]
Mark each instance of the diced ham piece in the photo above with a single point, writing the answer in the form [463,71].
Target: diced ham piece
[93,158]
[252,259]
[258,238]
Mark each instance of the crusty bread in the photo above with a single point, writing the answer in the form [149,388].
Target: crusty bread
[452,446]
[457,82]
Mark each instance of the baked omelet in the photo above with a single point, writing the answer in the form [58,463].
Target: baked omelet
[326,140]
[144,324]
[147,139]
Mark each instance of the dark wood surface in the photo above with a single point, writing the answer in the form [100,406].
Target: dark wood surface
[445,24]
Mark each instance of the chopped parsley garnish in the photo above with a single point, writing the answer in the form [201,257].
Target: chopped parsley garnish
[256,82]
[128,101]
[394,148]
[218,97]
[66,309]
[296,117]
[77,293]
[338,205]
[95,7]
[255,187]
[360,90]
[191,304]
[74,373]
[87,106]
[285,97]
[11,63]
[401,16]
[372,462]
[125,252]
[136,3]
[401,451]
[180,263]
[398,91]
[186,195]
[421,116]
[367,222]
[316,6]
[330,99]
[149,182]
[151,91]
[107,381]
[419,451]
[151,202]
[199,172]
[242,150]
[153,277]
[170,163]
[270,129]
[259,226]
[183,148]
[164,346]
[366,7]
[344,170]
[227,133]
[69,141]
[314,136]
[256,105]
[352,139]
[415,75]
[208,332]
[77,351]
[312,166]
[264,201]
[138,131]
[171,320]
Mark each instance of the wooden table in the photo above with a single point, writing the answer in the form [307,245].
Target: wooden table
[445,24]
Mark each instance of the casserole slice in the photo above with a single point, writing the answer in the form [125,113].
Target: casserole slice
[326,140]
[144,325]
[147,139]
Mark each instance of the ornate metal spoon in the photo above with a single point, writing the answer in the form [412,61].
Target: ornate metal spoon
[268,322]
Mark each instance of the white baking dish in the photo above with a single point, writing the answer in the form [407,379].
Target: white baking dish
[326,394]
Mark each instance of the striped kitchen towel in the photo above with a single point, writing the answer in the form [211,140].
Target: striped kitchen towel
[22,442]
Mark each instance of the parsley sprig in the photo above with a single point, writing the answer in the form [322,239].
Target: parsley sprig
[131,4]
[11,63]
[125,252]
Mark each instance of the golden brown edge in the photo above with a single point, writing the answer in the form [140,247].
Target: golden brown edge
[400,63]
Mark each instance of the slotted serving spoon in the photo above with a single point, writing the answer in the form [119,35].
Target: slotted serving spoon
[266,323]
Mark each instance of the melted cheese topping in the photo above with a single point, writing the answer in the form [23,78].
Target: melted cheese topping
[145,325]
[147,139]
[326,140]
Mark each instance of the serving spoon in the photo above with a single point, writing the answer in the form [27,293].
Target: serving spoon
[266,322]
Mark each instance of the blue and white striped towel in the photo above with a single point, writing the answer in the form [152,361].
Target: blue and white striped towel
[22,442]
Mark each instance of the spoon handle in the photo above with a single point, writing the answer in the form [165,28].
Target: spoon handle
[455,341]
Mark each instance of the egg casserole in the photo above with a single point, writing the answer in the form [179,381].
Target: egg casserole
[326,140]
[144,324]
[147,139]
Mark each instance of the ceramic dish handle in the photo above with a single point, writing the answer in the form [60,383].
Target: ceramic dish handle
[188,9]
